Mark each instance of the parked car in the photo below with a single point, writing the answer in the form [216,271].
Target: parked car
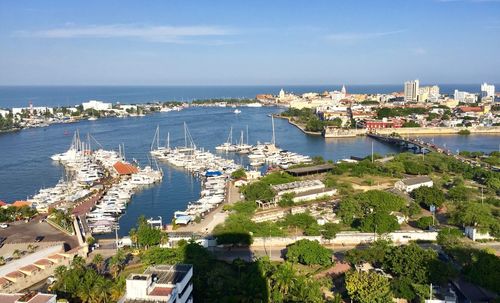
[4,225]
[39,238]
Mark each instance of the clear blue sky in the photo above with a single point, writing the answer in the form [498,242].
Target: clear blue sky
[217,42]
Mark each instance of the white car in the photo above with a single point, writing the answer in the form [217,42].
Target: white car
[4,225]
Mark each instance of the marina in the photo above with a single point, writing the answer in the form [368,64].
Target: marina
[27,166]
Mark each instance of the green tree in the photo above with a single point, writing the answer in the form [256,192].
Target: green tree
[330,230]
[286,200]
[145,234]
[380,223]
[428,196]
[424,222]
[308,253]
[239,174]
[473,214]
[368,287]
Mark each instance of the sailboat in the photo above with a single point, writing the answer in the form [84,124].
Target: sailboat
[237,111]
[228,146]
[244,148]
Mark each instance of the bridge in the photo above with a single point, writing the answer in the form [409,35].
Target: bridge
[417,145]
[421,146]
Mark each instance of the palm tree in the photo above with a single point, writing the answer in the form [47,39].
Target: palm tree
[2,260]
[98,261]
[16,254]
[284,278]
[78,263]
[117,263]
[164,238]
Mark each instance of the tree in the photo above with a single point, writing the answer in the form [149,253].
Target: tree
[239,174]
[117,263]
[379,222]
[98,261]
[330,230]
[449,237]
[459,193]
[145,234]
[424,222]
[284,279]
[286,200]
[368,287]
[428,196]
[410,261]
[308,253]
[473,214]
[258,191]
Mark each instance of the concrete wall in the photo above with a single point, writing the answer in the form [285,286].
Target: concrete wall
[351,238]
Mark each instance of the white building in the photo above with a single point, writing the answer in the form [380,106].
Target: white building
[4,113]
[303,190]
[474,234]
[411,91]
[487,90]
[161,283]
[32,110]
[97,105]
[410,184]
[465,97]
[428,93]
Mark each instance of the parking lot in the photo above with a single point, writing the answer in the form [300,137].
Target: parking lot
[21,232]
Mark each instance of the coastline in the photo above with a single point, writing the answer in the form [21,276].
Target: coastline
[297,125]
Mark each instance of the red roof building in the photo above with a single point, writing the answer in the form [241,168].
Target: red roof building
[2,203]
[470,109]
[125,168]
[374,124]
[21,203]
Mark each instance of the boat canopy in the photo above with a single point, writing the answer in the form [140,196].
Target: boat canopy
[213,173]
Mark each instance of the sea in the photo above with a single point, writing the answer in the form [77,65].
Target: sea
[21,96]
[26,167]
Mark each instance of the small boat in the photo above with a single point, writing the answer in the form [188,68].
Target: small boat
[237,111]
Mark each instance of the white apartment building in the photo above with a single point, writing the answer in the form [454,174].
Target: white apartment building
[428,93]
[161,283]
[97,105]
[411,91]
[487,90]
[465,97]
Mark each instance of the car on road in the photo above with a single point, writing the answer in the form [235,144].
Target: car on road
[4,225]
[39,238]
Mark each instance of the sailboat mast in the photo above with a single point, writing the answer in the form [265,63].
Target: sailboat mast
[247,134]
[158,137]
[185,136]
[273,140]
[168,140]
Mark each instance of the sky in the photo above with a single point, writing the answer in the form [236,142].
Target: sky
[218,42]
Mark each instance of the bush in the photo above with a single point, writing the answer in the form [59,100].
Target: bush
[428,196]
[379,222]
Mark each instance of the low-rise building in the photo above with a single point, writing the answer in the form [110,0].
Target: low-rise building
[384,123]
[4,113]
[161,283]
[474,234]
[410,184]
[303,190]
[97,105]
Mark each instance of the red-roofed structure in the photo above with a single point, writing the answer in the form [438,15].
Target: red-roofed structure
[21,203]
[2,203]
[469,109]
[125,168]
[161,291]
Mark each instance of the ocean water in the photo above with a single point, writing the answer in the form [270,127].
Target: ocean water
[20,96]
[25,164]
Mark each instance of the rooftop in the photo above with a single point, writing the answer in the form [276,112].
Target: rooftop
[31,297]
[316,169]
[168,274]
[416,180]
[297,184]
[125,168]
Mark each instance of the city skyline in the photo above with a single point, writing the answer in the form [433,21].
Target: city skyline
[225,43]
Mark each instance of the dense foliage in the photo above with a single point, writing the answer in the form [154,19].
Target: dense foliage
[368,287]
[144,235]
[308,253]
[387,112]
[12,213]
[427,196]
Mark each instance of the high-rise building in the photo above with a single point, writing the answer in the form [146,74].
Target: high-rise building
[428,93]
[465,97]
[487,90]
[411,91]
